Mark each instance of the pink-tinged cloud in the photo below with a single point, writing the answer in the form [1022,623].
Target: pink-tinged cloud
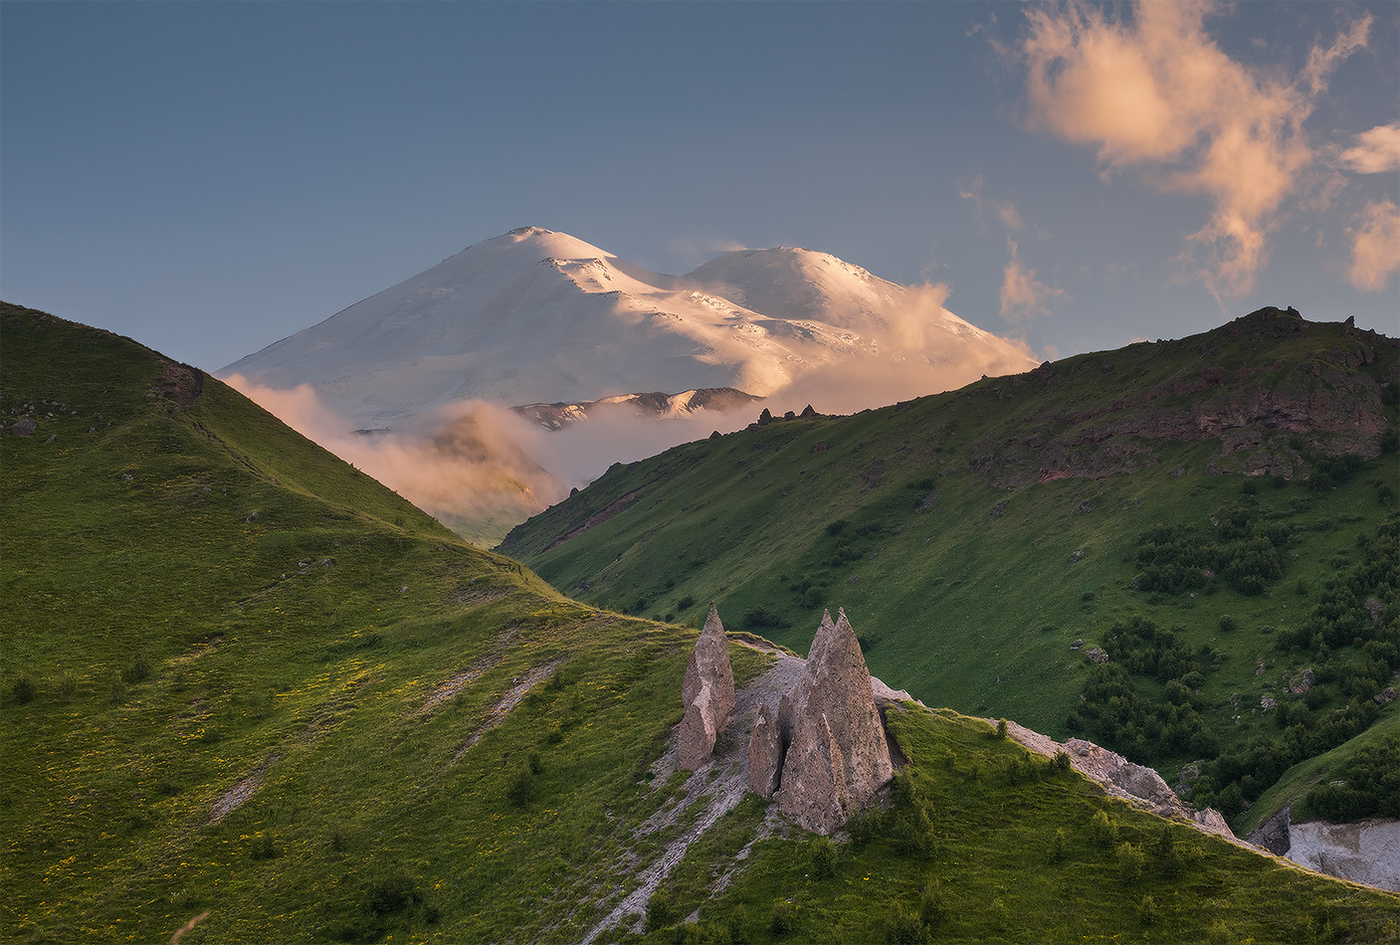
[1157,95]
[1023,296]
[1375,152]
[1375,247]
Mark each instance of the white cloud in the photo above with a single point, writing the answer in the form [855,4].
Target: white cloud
[1158,95]
[1375,152]
[1023,296]
[1375,247]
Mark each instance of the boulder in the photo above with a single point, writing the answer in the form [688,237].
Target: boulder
[1111,768]
[707,694]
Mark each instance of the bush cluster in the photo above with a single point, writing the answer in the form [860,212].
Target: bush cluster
[1246,550]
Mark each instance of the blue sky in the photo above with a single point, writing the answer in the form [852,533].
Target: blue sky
[210,177]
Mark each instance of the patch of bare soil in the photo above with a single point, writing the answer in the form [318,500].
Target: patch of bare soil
[513,697]
[233,798]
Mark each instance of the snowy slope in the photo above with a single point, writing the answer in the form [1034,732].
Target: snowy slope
[535,316]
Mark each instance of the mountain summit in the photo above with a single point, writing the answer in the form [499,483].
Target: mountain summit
[536,316]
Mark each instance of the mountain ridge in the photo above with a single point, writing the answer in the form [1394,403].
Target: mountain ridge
[536,316]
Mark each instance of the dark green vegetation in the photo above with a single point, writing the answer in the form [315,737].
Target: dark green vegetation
[1217,514]
[301,725]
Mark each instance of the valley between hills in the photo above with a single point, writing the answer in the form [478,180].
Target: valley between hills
[250,694]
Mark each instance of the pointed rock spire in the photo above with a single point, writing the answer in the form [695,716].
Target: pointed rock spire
[814,790]
[829,737]
[707,694]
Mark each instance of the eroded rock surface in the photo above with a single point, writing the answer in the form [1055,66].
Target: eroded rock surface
[825,756]
[707,693]
[814,792]
[765,753]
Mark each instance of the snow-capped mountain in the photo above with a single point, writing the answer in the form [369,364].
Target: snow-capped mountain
[413,385]
[535,316]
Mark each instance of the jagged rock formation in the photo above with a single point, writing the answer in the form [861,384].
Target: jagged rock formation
[826,756]
[707,693]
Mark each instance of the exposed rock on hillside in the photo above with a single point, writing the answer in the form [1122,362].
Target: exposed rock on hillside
[707,693]
[826,756]
[1122,778]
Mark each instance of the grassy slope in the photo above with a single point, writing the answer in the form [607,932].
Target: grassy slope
[965,586]
[163,653]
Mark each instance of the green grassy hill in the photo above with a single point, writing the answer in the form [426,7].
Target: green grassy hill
[986,540]
[333,720]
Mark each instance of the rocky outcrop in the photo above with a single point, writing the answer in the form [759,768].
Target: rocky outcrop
[825,756]
[815,789]
[1121,778]
[1365,852]
[707,693]
[1272,834]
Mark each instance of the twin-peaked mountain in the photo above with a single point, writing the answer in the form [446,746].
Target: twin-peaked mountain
[538,317]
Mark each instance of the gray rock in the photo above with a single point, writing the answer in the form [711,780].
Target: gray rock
[707,694]
[835,698]
[1272,834]
[765,754]
[24,428]
[813,794]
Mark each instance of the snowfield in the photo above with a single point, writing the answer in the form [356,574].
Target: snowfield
[535,316]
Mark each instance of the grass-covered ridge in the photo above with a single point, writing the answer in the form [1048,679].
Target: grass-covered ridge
[985,541]
[335,721]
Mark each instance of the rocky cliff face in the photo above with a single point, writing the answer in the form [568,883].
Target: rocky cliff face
[707,693]
[825,756]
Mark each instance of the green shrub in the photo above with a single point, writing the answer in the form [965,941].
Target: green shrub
[762,617]
[933,906]
[139,671]
[783,918]
[1147,910]
[824,855]
[391,894]
[863,828]
[522,788]
[1103,830]
[661,911]
[1130,862]
[23,690]
[904,927]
